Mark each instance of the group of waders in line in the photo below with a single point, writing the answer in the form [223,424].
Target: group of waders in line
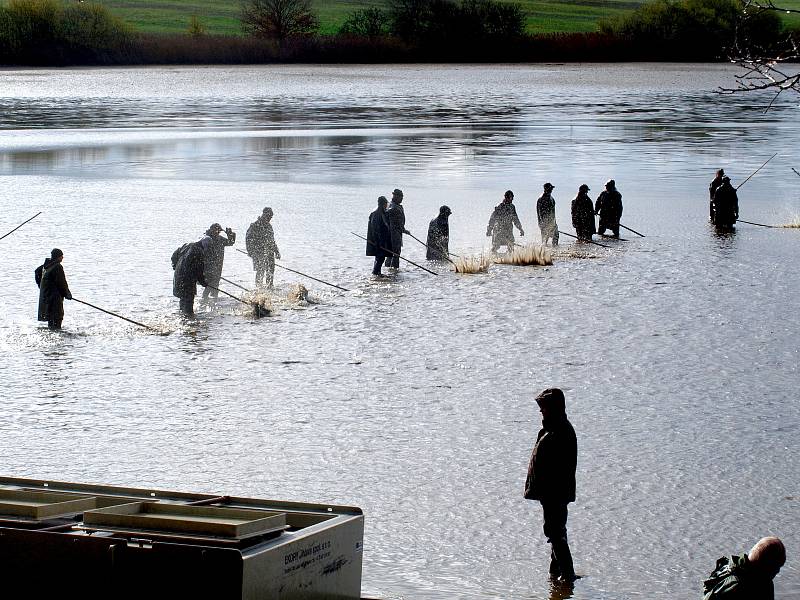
[387,224]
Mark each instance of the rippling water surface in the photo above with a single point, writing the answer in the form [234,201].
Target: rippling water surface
[413,398]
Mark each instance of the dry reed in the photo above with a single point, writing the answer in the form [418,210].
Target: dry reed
[472,264]
[523,256]
[794,223]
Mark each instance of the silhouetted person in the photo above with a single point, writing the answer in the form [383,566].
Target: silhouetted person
[213,245]
[53,289]
[712,188]
[583,214]
[609,207]
[261,246]
[189,265]
[546,213]
[551,478]
[439,235]
[502,222]
[396,219]
[726,205]
[749,576]
[378,236]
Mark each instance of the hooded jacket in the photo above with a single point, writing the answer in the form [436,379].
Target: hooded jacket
[53,289]
[551,471]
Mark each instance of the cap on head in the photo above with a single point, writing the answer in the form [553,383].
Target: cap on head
[508,194]
[552,397]
[445,210]
[215,227]
[55,253]
[726,180]
[382,201]
[584,188]
[397,192]
[548,186]
[267,212]
[611,183]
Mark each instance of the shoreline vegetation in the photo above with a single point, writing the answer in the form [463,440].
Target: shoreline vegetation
[68,33]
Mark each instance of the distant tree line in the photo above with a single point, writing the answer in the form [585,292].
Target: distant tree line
[56,32]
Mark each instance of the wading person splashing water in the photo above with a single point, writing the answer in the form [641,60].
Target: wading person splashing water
[378,235]
[261,246]
[749,576]
[551,478]
[502,222]
[213,245]
[53,289]
[439,235]
[546,213]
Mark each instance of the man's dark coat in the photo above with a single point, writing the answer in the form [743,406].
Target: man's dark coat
[551,471]
[378,233]
[438,238]
[53,289]
[188,263]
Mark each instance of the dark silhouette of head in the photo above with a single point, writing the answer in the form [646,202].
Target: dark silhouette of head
[767,556]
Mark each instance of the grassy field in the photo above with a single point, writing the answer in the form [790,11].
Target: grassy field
[222,16]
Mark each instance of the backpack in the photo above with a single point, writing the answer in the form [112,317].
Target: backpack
[178,253]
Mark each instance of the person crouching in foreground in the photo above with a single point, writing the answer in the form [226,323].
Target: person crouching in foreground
[551,478]
[189,265]
[53,289]
[378,236]
[749,576]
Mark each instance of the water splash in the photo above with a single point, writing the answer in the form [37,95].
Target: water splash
[472,264]
[523,256]
[793,224]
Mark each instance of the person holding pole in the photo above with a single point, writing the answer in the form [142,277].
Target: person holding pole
[726,205]
[188,263]
[214,249]
[502,222]
[261,247]
[546,213]
[53,289]
[396,218]
[609,207]
[712,189]
[583,215]
[378,235]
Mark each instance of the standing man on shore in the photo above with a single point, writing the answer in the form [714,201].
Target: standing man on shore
[546,213]
[396,218]
[749,576]
[260,243]
[53,289]
[378,235]
[609,207]
[551,478]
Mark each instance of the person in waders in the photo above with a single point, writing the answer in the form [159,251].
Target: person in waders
[502,222]
[378,236]
[546,213]
[213,245]
[261,247]
[396,219]
[726,205]
[609,207]
[53,289]
[712,189]
[551,479]
[439,235]
[583,215]
[188,263]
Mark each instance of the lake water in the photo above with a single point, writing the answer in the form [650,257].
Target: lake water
[413,398]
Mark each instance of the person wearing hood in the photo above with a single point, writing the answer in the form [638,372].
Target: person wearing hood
[726,205]
[546,213]
[396,218]
[609,207]
[712,189]
[378,236]
[53,289]
[439,235]
[583,214]
[502,222]
[213,245]
[261,246]
[188,261]
[551,478]
[749,576]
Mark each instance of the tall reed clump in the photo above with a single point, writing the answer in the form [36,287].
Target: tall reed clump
[526,255]
[52,32]
[794,223]
[472,264]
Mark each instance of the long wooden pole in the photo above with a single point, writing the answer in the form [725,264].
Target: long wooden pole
[254,305]
[338,287]
[757,170]
[113,314]
[631,230]
[241,287]
[21,224]
[434,249]
[580,240]
[394,254]
[759,224]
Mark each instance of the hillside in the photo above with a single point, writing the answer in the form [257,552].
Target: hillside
[222,16]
